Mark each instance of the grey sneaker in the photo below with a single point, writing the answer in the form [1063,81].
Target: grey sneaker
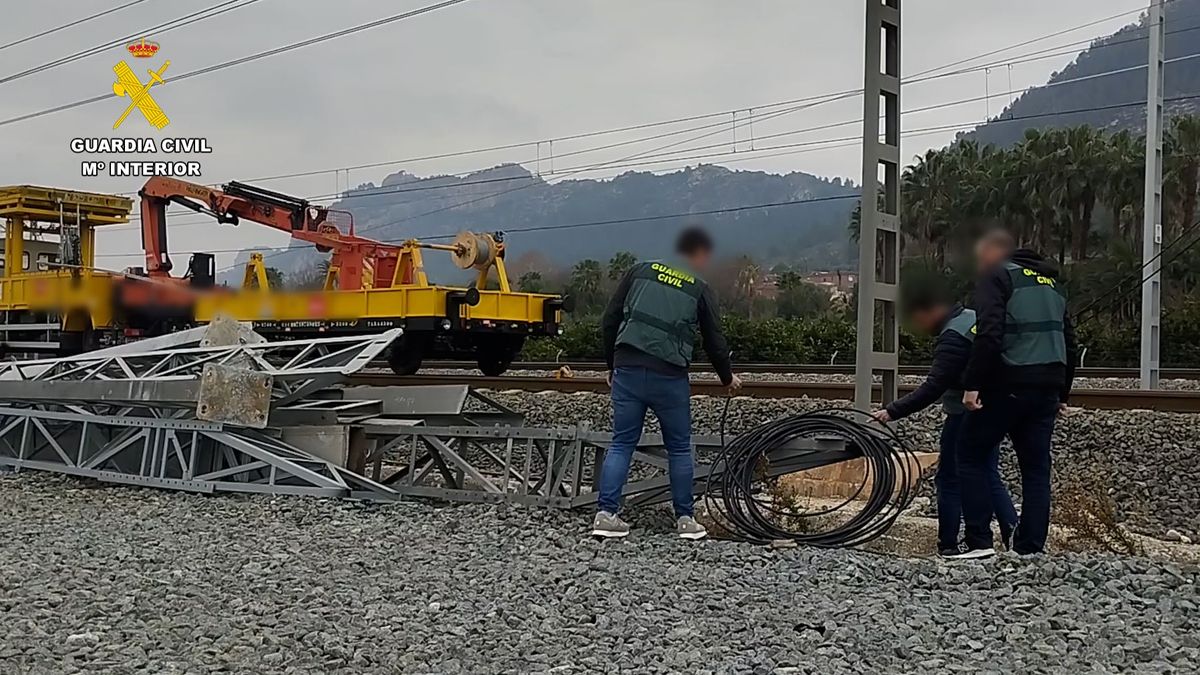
[609,525]
[688,528]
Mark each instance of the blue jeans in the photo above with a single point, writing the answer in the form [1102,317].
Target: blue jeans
[949,493]
[633,391]
[1027,417]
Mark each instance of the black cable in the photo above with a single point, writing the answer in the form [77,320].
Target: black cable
[71,24]
[244,59]
[160,29]
[1122,292]
[736,482]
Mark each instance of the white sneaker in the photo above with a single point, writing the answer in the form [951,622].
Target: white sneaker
[608,525]
[688,528]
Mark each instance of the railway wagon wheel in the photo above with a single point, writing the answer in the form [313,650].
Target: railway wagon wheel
[407,353]
[495,353]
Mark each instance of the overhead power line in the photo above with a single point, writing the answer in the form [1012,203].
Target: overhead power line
[160,29]
[248,59]
[759,108]
[827,143]
[919,78]
[1033,41]
[1119,289]
[72,24]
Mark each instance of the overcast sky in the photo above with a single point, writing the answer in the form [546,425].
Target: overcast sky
[491,72]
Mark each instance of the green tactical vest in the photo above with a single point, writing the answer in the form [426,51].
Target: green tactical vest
[660,312]
[1033,331]
[964,325]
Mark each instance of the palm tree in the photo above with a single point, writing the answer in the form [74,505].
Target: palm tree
[620,264]
[1181,173]
[1124,183]
[746,283]
[585,283]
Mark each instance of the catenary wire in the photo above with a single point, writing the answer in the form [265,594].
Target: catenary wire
[698,213]
[71,24]
[248,59]
[918,79]
[160,29]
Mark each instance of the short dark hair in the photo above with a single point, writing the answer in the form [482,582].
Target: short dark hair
[924,293]
[692,240]
[999,237]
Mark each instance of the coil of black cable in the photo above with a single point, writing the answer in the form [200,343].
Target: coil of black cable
[738,502]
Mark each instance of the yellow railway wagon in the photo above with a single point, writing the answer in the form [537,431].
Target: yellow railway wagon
[45,302]
[70,306]
[438,321]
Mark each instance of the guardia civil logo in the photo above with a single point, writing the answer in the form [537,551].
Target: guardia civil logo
[129,86]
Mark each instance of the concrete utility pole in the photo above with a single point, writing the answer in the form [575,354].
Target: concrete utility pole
[1152,226]
[879,228]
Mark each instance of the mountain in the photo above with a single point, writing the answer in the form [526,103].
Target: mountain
[564,222]
[560,223]
[1082,85]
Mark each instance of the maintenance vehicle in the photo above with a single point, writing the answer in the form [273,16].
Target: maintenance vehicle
[70,305]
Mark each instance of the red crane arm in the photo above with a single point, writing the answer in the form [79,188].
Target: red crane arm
[237,202]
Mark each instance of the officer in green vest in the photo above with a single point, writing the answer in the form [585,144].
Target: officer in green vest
[1017,382]
[649,328]
[930,310]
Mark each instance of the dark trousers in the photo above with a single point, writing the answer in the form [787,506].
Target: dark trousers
[633,391]
[1027,417]
[949,491]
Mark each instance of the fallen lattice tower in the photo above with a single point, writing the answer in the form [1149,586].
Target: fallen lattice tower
[220,410]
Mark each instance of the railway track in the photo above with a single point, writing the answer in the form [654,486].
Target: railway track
[1102,399]
[817,369]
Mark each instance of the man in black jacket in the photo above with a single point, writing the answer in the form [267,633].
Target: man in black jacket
[954,325]
[1017,382]
[648,329]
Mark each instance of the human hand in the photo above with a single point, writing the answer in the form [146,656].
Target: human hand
[882,416]
[1063,408]
[608,378]
[971,400]
[735,384]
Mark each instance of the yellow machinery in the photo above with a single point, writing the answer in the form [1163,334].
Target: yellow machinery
[489,325]
[370,286]
[50,295]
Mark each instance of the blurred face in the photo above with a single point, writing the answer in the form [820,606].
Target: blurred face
[988,255]
[928,319]
[699,260]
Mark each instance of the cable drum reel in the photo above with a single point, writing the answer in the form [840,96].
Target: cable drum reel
[475,251]
[469,250]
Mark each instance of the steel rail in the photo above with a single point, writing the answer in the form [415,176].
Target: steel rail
[815,369]
[1101,399]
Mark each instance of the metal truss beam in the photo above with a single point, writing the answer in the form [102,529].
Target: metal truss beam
[233,384]
[548,467]
[293,359]
[171,453]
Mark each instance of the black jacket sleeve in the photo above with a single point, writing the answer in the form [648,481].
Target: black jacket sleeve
[950,356]
[614,314]
[991,299]
[712,338]
[1072,357]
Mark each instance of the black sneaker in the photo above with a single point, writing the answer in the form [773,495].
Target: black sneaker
[965,552]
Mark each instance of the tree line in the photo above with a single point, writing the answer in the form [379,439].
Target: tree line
[1075,195]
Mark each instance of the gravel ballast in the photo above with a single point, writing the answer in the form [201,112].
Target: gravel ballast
[1146,461]
[118,579]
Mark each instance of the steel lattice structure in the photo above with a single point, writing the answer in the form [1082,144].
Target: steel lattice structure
[549,467]
[170,452]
